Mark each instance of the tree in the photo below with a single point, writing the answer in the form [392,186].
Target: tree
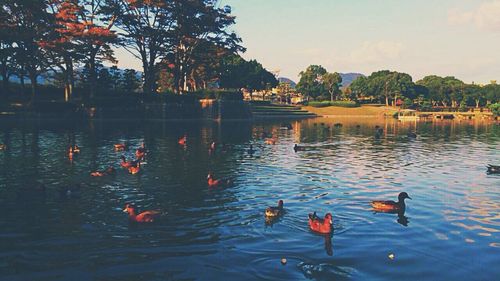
[310,83]
[145,27]
[491,93]
[332,83]
[130,82]
[198,23]
[235,73]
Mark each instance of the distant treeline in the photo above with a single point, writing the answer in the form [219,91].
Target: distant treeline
[392,87]
[183,45]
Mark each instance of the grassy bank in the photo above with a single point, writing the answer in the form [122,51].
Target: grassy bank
[362,111]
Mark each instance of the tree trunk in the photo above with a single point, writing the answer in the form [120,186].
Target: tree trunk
[386,100]
[477,103]
[33,81]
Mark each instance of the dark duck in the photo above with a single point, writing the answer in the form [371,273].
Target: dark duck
[391,206]
[492,169]
[272,212]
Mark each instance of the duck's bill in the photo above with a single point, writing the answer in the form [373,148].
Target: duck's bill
[409,198]
[125,210]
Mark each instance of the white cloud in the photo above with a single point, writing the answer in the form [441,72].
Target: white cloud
[374,52]
[486,16]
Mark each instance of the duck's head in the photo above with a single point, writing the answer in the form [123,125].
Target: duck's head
[129,209]
[209,176]
[280,203]
[402,196]
[329,218]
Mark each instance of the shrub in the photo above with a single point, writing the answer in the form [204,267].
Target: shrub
[333,103]
[407,103]
[495,108]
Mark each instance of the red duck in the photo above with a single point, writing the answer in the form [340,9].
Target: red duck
[217,183]
[142,217]
[182,140]
[127,164]
[135,169]
[140,152]
[108,172]
[321,226]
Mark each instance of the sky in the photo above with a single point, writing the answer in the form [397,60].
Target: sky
[458,38]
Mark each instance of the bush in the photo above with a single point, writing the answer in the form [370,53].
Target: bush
[495,108]
[425,106]
[333,103]
[218,94]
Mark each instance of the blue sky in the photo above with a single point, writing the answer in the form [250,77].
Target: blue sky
[446,37]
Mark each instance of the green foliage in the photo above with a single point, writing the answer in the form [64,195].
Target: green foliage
[238,73]
[332,83]
[407,103]
[495,108]
[310,83]
[333,103]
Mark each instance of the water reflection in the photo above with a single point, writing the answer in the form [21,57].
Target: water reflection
[75,224]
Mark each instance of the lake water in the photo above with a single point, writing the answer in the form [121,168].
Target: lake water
[450,231]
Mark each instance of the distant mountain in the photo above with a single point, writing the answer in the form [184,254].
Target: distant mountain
[287,80]
[347,78]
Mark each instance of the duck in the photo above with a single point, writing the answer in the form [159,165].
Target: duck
[212,147]
[135,169]
[120,146]
[323,226]
[250,150]
[391,206]
[143,217]
[182,140]
[217,183]
[76,149]
[271,141]
[286,126]
[126,164]
[140,152]
[275,211]
[3,146]
[108,172]
[492,169]
[298,148]
[411,135]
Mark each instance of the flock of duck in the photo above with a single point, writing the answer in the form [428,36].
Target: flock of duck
[316,224]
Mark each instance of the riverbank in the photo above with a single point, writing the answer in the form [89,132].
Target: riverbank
[362,111]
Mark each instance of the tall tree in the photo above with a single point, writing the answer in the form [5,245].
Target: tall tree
[310,83]
[145,27]
[332,82]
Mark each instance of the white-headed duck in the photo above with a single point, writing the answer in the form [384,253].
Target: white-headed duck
[108,172]
[391,206]
[142,217]
[217,183]
[275,211]
[320,225]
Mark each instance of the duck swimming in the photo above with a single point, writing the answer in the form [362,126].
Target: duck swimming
[492,169]
[126,164]
[251,151]
[182,140]
[391,206]
[2,146]
[298,148]
[275,211]
[218,183]
[142,217]
[135,169]
[411,135]
[270,141]
[320,225]
[120,146]
[140,152]
[108,172]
